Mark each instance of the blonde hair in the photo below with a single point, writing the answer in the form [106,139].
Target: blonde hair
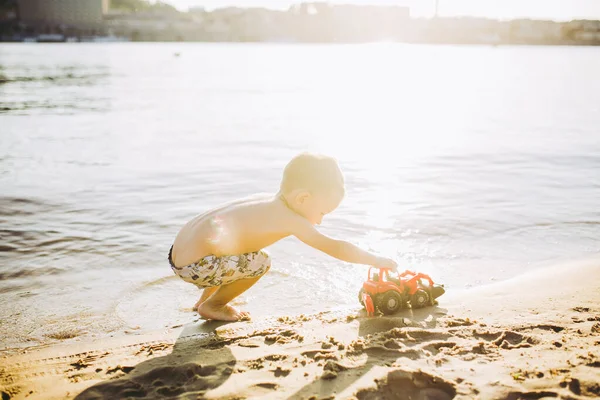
[313,172]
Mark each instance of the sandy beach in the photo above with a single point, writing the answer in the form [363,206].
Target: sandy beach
[531,337]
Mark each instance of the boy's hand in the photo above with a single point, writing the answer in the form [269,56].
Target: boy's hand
[384,262]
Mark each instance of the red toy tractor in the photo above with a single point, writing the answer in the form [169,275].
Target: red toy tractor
[390,293]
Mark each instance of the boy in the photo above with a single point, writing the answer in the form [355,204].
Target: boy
[221,252]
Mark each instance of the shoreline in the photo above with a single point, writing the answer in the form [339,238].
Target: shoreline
[532,336]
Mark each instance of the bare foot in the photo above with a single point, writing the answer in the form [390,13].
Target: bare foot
[206,293]
[225,313]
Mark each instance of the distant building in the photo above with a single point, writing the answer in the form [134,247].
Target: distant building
[8,21]
[77,13]
[325,22]
[152,26]
[535,31]
[8,10]
[470,30]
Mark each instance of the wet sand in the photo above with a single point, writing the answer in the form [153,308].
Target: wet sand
[532,337]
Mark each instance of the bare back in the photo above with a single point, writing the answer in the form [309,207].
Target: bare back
[240,227]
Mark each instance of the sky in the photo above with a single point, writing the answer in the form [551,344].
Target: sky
[499,9]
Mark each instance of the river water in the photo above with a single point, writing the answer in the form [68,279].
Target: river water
[470,163]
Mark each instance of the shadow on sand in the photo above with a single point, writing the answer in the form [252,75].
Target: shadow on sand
[185,370]
[198,363]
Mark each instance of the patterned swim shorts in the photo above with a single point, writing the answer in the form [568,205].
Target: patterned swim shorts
[213,271]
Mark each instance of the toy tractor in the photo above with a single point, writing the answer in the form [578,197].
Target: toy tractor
[390,292]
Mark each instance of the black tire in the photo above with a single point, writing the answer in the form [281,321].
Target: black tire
[390,302]
[420,299]
[360,296]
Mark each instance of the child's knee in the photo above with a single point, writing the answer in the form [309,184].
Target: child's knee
[262,263]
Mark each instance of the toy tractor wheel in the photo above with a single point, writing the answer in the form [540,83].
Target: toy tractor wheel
[420,299]
[390,302]
[360,296]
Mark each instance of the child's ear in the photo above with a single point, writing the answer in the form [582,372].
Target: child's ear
[302,197]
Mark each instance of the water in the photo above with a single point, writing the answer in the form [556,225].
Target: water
[472,164]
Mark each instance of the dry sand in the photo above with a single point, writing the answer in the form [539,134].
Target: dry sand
[532,337]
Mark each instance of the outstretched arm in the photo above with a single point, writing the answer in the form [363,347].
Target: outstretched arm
[339,249]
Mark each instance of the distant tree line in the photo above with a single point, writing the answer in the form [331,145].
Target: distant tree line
[124,5]
[140,5]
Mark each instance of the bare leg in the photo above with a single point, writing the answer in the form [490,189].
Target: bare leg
[206,293]
[216,306]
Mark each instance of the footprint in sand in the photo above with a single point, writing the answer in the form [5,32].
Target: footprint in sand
[407,385]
